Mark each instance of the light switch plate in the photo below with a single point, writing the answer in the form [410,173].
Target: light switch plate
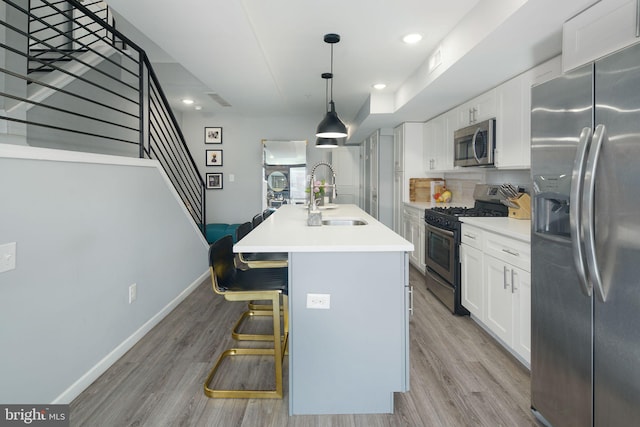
[321,301]
[7,257]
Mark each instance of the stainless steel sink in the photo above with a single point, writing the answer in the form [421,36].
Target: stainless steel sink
[343,221]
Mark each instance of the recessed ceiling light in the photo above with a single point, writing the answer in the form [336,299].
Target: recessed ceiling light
[187,101]
[198,107]
[379,86]
[412,38]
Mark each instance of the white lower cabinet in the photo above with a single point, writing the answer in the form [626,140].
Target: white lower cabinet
[509,304]
[471,259]
[522,315]
[413,231]
[496,287]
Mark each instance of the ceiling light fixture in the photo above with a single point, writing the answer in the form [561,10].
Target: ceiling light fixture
[379,86]
[412,38]
[187,101]
[331,126]
[326,142]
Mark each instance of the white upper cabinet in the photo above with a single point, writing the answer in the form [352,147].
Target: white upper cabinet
[407,148]
[438,142]
[605,27]
[480,108]
[513,123]
[398,149]
[509,104]
[407,163]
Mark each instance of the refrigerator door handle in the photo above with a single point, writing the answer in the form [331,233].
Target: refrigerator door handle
[576,207]
[588,204]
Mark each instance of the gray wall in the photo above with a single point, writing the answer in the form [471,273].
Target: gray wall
[85,231]
[241,147]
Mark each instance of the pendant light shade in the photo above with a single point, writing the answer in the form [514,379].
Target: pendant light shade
[331,126]
[326,143]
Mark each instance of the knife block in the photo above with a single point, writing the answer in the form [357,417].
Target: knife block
[523,211]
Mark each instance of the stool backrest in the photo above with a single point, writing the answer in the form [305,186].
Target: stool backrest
[267,213]
[257,220]
[243,230]
[221,265]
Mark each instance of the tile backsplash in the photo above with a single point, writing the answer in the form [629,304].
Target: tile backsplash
[462,189]
[462,184]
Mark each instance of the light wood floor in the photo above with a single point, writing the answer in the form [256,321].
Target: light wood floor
[459,376]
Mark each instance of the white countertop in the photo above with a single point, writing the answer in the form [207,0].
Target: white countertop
[516,228]
[286,230]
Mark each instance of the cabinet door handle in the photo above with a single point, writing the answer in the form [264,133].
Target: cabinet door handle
[471,236]
[471,114]
[510,252]
[637,18]
[504,278]
[513,286]
[411,300]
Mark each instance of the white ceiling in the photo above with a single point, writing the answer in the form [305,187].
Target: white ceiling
[267,57]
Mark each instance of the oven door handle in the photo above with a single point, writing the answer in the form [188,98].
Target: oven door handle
[439,230]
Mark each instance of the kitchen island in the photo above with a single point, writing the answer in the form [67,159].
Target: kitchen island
[349,302]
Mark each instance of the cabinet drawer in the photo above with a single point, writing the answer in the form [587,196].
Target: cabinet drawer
[472,236]
[514,252]
[413,214]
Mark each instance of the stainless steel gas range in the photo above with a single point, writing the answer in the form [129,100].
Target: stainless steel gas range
[442,246]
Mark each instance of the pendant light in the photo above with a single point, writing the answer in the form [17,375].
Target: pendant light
[326,142]
[331,126]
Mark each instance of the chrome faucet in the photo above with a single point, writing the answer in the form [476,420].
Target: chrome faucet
[315,216]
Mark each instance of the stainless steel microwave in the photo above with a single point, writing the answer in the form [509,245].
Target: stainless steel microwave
[474,145]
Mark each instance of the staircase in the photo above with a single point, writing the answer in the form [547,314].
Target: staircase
[69,80]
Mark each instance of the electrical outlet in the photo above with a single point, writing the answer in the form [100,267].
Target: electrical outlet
[7,257]
[321,301]
[133,292]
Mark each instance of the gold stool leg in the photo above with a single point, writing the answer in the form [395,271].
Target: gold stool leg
[256,309]
[239,336]
[276,352]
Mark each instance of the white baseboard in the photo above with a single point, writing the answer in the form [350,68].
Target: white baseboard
[92,374]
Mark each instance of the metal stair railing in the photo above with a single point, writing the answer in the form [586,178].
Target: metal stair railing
[70,80]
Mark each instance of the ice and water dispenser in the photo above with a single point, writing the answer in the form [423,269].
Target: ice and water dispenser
[552,203]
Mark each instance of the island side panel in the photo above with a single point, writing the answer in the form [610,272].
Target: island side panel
[350,358]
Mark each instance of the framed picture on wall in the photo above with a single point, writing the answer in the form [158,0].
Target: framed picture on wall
[214,157]
[212,135]
[214,181]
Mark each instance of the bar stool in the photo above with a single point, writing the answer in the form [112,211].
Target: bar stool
[246,261]
[267,213]
[236,285]
[257,220]
[258,259]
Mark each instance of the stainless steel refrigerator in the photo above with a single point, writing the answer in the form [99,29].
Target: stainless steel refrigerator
[585,165]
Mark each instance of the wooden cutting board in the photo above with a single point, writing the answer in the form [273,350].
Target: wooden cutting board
[420,189]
